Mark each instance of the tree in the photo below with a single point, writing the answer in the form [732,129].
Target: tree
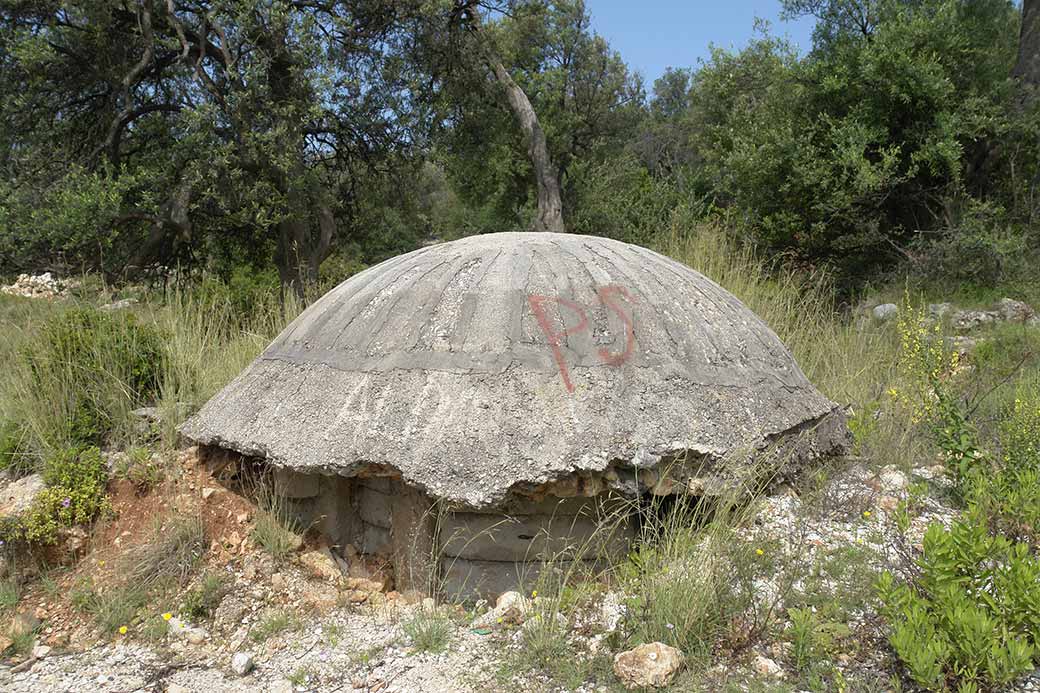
[1027,64]
[255,124]
[550,203]
[579,89]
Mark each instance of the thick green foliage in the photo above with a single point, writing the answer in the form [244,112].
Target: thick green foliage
[1009,497]
[89,364]
[74,495]
[868,139]
[972,621]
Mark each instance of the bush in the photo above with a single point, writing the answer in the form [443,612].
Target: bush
[429,632]
[927,368]
[971,619]
[203,600]
[87,368]
[75,495]
[1009,497]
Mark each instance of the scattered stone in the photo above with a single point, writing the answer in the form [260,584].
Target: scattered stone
[972,319]
[511,608]
[365,585]
[940,310]
[207,491]
[40,651]
[121,304]
[23,624]
[177,688]
[893,481]
[185,631]
[36,286]
[767,667]
[888,503]
[321,564]
[356,596]
[1014,311]
[18,495]
[961,344]
[650,665]
[242,518]
[886,311]
[242,663]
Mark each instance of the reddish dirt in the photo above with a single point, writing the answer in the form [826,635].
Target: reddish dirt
[135,516]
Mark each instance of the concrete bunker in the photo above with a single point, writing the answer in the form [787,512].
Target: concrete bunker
[470,409]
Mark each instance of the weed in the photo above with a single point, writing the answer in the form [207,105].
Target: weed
[365,657]
[692,581]
[155,628]
[301,676]
[113,607]
[275,529]
[9,594]
[429,631]
[273,624]
[84,374]
[22,642]
[169,555]
[142,468]
[333,632]
[50,585]
[201,601]
[812,639]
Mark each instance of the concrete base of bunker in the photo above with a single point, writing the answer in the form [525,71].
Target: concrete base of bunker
[575,525]
[459,553]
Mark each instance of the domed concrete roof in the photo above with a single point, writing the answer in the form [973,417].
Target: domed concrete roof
[509,360]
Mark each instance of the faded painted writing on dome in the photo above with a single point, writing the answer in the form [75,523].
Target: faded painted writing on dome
[612,297]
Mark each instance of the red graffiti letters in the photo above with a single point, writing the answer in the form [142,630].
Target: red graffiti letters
[607,297]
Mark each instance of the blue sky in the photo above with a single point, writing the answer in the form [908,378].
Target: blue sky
[654,34]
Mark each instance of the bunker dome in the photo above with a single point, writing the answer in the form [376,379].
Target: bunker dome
[467,408]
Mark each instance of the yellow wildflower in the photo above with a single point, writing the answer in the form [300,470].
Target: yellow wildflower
[167,616]
[534,594]
[759,552]
[866,514]
[122,630]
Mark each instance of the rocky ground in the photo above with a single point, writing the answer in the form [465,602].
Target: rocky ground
[830,543]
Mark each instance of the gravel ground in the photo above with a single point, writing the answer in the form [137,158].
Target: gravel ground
[343,651]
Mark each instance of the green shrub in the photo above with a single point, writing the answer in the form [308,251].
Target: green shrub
[88,368]
[1020,431]
[429,632]
[927,368]
[75,494]
[141,468]
[1009,496]
[971,619]
[202,601]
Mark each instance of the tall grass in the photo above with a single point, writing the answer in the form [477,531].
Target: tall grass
[46,386]
[846,363]
[209,343]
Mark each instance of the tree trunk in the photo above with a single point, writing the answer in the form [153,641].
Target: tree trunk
[550,202]
[299,255]
[1027,66]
